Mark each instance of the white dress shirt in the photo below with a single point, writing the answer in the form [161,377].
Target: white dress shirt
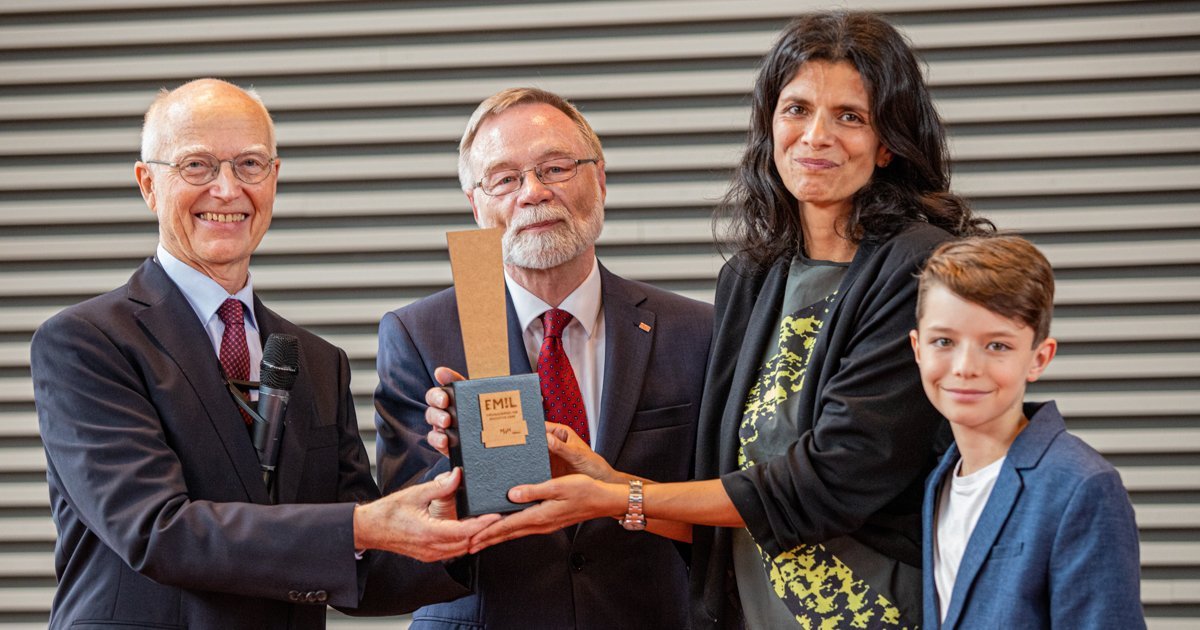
[206,296]
[583,339]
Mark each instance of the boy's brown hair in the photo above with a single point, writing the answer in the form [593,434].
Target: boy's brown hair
[1004,274]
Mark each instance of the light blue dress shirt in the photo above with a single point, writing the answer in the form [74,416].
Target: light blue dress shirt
[206,296]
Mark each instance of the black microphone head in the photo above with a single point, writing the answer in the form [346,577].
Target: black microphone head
[281,362]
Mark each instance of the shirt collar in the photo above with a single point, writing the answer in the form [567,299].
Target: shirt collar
[583,303]
[201,291]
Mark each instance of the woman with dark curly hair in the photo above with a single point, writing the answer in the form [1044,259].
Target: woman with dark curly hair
[815,435]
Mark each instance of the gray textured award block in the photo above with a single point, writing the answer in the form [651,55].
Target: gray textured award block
[490,471]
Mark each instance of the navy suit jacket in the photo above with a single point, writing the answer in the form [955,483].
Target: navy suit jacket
[598,575]
[162,514]
[1056,545]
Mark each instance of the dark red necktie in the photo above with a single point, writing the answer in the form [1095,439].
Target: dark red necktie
[561,398]
[235,355]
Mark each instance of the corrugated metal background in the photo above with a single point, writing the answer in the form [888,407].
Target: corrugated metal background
[1075,122]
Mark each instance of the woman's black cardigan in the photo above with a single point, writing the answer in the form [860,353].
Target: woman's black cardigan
[860,458]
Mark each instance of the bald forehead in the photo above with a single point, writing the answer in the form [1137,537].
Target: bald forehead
[195,114]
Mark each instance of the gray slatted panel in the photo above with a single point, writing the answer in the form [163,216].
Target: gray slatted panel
[1073,121]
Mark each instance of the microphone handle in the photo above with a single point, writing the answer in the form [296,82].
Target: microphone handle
[271,405]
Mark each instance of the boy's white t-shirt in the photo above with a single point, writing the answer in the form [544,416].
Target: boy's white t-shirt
[959,506]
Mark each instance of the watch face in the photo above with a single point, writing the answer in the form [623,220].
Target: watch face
[634,525]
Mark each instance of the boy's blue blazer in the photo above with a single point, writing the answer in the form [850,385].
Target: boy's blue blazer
[1056,545]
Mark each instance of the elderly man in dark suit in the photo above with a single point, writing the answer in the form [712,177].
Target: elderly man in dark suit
[530,163]
[163,516]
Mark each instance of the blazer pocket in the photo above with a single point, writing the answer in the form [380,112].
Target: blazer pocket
[999,552]
[662,417]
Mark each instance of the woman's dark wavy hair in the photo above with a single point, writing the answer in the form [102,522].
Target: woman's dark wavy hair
[763,216]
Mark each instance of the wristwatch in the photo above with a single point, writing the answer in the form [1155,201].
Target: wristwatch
[634,519]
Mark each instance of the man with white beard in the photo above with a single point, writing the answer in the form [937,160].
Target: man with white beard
[628,358]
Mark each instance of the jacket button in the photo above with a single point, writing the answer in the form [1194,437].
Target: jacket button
[322,596]
[577,561]
[294,595]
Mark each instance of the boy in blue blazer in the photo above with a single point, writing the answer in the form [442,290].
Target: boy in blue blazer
[1024,525]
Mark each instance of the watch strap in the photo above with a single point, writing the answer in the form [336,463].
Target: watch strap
[635,518]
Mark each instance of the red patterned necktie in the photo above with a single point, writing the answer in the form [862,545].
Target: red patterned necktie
[561,398]
[235,355]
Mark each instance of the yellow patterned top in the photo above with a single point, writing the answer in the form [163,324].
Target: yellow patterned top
[819,590]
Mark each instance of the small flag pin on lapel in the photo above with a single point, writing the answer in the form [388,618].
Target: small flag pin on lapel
[644,326]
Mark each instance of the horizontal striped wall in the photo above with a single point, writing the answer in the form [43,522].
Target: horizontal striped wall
[1077,123]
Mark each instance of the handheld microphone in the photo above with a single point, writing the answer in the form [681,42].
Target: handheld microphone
[277,374]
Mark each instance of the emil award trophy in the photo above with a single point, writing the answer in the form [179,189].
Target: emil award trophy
[499,435]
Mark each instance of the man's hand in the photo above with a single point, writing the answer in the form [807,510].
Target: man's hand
[405,522]
[570,454]
[436,415]
[565,501]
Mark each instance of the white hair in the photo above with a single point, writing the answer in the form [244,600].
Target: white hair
[507,99]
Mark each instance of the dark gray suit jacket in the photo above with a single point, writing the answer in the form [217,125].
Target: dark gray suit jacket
[599,575]
[162,515]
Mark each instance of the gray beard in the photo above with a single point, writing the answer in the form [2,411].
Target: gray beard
[551,249]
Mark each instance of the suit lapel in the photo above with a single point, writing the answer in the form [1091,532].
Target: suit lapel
[172,323]
[995,513]
[933,489]
[300,408]
[518,359]
[626,354]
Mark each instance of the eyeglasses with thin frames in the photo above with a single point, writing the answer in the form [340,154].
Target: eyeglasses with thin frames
[554,171]
[198,169]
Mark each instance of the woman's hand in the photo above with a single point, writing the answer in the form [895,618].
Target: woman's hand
[565,501]
[570,454]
